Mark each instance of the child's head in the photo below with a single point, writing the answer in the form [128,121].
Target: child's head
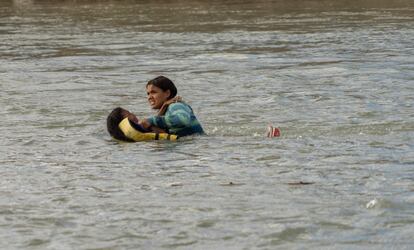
[112,123]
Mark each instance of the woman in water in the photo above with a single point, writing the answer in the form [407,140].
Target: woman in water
[174,116]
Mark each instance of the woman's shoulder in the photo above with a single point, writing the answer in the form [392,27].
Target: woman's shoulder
[179,105]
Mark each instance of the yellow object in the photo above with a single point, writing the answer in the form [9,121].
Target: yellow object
[136,135]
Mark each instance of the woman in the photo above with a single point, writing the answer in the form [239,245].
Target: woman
[174,116]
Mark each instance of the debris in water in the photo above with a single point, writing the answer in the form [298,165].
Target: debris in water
[372,203]
[301,183]
[273,132]
[176,184]
[231,183]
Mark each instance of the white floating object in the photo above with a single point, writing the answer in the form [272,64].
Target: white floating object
[372,203]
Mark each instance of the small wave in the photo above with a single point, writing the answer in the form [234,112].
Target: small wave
[302,131]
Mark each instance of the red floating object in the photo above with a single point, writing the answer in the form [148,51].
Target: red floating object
[273,132]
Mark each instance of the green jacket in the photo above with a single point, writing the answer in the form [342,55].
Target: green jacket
[179,119]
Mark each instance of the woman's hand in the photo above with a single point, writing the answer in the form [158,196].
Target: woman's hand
[145,124]
[132,118]
[164,107]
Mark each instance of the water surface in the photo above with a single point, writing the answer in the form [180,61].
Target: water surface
[335,76]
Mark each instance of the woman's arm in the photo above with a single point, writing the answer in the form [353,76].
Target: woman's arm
[178,115]
[147,125]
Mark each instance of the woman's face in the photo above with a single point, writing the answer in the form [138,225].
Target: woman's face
[156,96]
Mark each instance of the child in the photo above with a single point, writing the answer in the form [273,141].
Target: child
[124,125]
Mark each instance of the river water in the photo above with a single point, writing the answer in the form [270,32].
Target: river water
[337,77]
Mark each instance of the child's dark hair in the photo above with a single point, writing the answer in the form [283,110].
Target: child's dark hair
[112,124]
[165,84]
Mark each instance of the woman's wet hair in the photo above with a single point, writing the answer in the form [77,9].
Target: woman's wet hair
[112,123]
[165,84]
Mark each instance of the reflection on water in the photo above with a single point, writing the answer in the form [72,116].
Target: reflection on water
[335,76]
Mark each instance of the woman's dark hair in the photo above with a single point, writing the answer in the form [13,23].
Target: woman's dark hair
[165,84]
[112,124]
